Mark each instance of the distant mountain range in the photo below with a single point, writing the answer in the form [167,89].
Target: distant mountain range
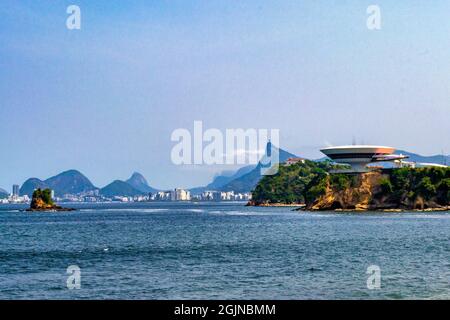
[414,157]
[246,178]
[223,179]
[242,180]
[74,182]
[67,182]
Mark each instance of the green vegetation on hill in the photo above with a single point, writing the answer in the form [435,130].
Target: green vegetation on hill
[428,183]
[296,183]
[306,183]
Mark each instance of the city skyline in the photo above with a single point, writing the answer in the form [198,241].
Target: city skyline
[105,99]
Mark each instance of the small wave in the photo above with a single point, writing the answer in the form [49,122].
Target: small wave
[216,212]
[248,213]
[137,210]
[196,210]
[428,216]
[439,296]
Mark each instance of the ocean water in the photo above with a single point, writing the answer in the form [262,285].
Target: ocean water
[222,251]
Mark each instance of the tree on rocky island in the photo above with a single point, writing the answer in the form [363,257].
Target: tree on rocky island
[45,195]
[42,201]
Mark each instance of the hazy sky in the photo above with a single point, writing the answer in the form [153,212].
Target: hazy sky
[105,99]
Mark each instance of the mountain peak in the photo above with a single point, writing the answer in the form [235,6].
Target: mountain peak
[70,182]
[71,172]
[119,188]
[138,176]
[30,185]
[138,182]
[247,181]
[67,182]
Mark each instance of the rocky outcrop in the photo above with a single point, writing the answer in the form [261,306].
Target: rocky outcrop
[253,203]
[366,193]
[324,186]
[357,197]
[40,205]
[41,201]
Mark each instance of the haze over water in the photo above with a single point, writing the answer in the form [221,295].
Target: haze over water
[222,251]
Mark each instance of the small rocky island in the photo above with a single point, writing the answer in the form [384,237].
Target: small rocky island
[42,201]
[319,187]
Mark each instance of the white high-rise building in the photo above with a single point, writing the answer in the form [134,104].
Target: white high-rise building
[180,195]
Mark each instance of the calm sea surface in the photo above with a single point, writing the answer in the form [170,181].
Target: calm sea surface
[222,251]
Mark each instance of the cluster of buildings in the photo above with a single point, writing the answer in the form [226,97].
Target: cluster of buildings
[101,199]
[89,196]
[223,196]
[292,161]
[177,194]
[128,199]
[15,197]
[185,195]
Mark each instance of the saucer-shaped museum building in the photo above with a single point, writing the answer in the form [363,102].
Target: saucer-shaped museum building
[359,156]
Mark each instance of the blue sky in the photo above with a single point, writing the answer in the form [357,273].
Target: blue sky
[105,99]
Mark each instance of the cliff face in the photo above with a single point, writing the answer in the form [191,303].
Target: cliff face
[39,204]
[368,191]
[357,197]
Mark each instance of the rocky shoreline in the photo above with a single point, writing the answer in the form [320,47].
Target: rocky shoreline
[368,193]
[50,209]
[265,204]
[380,210]
[303,207]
